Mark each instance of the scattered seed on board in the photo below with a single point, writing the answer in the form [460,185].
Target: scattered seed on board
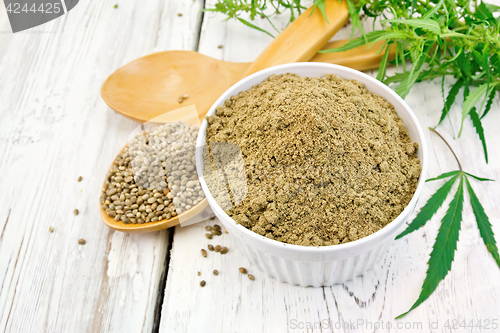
[204,252]
[180,14]
[218,233]
[251,277]
[220,46]
[76,212]
[213,232]
[209,236]
[217,248]
[80,178]
[208,228]
[210,247]
[225,231]
[185,96]
[199,273]
[51,229]
[224,250]
[216,272]
[82,241]
[203,283]
[181,99]
[243,270]
[212,218]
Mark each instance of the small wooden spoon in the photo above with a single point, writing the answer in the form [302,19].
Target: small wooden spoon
[187,115]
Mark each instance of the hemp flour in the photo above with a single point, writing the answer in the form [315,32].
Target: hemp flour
[326,161]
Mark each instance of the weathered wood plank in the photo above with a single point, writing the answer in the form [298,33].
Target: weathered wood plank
[54,127]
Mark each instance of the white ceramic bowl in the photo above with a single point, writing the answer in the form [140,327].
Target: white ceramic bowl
[324,265]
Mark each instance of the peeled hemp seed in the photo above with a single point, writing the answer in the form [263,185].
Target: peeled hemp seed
[154,178]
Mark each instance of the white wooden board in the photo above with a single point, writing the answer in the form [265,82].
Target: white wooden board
[54,127]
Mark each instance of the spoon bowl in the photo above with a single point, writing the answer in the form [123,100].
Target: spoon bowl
[187,115]
[152,226]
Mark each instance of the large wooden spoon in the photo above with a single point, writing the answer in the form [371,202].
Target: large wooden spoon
[152,85]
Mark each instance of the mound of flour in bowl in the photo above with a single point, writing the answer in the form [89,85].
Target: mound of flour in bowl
[326,161]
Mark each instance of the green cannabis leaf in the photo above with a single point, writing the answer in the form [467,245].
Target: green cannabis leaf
[444,248]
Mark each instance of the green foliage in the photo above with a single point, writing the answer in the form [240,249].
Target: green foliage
[444,248]
[264,9]
[432,206]
[446,241]
[448,38]
[443,251]
[458,39]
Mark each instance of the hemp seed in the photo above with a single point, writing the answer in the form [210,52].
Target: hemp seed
[204,253]
[243,270]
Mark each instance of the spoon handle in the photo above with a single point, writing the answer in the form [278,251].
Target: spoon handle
[300,41]
[361,58]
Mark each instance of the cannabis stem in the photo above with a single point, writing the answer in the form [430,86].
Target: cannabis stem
[456,158]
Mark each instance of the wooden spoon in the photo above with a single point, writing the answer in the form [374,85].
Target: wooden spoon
[187,115]
[152,85]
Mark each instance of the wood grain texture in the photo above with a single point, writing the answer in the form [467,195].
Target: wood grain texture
[54,128]
[230,302]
